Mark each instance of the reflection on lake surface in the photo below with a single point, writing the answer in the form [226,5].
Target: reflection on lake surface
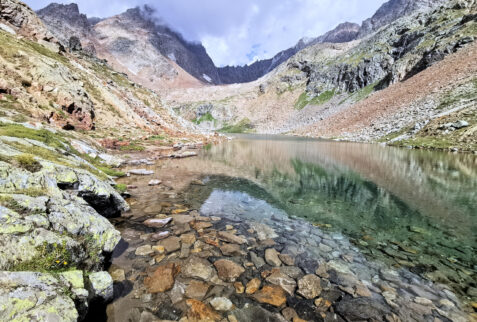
[408,208]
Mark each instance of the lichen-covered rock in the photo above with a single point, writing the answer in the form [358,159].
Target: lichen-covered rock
[27,296]
[101,286]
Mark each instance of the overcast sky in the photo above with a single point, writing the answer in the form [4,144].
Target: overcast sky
[237,32]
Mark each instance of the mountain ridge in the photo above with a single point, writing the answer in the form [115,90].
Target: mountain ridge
[193,58]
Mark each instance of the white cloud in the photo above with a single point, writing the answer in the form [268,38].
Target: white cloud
[237,32]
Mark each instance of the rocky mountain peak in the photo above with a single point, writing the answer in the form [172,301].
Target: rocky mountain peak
[65,21]
[393,10]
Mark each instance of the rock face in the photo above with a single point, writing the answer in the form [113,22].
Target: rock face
[158,50]
[27,294]
[26,22]
[393,10]
[66,22]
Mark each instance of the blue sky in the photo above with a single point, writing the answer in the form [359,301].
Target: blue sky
[237,32]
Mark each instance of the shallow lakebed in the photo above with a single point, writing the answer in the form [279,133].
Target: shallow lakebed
[326,230]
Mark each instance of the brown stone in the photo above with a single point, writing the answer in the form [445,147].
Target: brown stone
[231,238]
[211,241]
[171,244]
[271,257]
[197,290]
[297,319]
[161,235]
[182,219]
[287,259]
[198,225]
[309,286]
[239,288]
[289,313]
[179,211]
[199,311]
[231,250]
[282,280]
[253,286]
[271,294]
[227,270]
[188,238]
[162,279]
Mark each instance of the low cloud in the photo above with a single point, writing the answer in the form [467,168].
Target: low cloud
[239,32]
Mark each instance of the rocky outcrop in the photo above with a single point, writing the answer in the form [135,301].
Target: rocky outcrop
[393,10]
[65,21]
[52,216]
[26,22]
[397,52]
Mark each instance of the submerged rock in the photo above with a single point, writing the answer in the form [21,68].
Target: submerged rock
[271,294]
[228,270]
[309,286]
[362,309]
[163,278]
[221,304]
[271,256]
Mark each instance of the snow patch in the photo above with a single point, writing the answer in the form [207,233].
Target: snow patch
[172,57]
[207,78]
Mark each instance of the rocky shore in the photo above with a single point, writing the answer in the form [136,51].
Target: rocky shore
[237,258]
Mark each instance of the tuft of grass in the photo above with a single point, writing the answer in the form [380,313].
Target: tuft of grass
[121,188]
[132,147]
[244,126]
[28,162]
[45,136]
[50,257]
[32,192]
[111,172]
[157,137]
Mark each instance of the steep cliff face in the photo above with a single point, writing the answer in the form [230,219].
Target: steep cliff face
[192,57]
[65,21]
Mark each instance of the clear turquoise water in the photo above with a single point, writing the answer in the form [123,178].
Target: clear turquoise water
[411,208]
